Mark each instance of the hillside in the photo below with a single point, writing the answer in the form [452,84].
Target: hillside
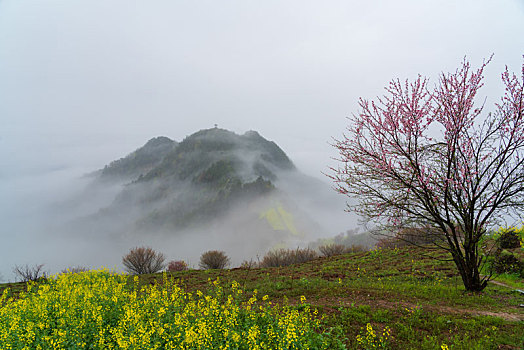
[412,291]
[420,300]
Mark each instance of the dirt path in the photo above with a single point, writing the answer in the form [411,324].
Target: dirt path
[502,284]
[507,316]
[334,303]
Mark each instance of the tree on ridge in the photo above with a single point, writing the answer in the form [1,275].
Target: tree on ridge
[430,157]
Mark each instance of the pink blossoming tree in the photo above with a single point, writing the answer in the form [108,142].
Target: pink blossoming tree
[430,157]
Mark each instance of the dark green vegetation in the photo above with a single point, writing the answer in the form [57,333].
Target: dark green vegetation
[138,162]
[199,153]
[508,256]
[421,299]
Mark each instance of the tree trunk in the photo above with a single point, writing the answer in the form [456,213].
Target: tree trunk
[467,266]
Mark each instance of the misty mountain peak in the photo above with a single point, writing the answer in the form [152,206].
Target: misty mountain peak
[176,185]
[247,157]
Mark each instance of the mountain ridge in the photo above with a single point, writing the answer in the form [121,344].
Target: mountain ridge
[139,161]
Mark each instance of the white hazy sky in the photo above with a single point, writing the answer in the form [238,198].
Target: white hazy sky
[86,82]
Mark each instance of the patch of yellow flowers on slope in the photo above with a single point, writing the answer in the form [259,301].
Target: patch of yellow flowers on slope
[106,310]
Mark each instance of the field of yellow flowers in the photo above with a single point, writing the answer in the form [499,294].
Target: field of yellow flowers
[402,298]
[105,310]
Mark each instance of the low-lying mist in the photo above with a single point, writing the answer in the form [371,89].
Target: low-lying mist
[64,218]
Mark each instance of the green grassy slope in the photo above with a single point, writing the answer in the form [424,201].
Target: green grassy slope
[420,299]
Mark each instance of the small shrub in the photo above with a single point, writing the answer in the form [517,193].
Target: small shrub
[249,264]
[506,262]
[142,260]
[75,269]
[356,249]
[509,239]
[30,273]
[332,250]
[276,258]
[214,259]
[286,257]
[304,255]
[178,265]
[328,250]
